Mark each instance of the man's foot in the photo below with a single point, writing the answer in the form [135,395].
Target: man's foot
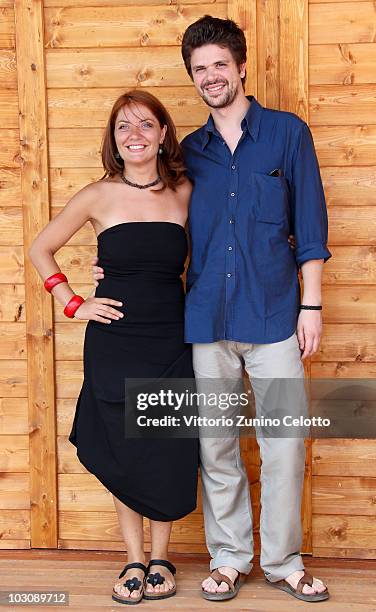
[120,589]
[210,586]
[167,585]
[317,586]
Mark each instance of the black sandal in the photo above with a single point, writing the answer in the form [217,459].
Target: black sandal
[133,584]
[156,578]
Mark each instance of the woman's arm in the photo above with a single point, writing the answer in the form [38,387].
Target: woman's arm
[55,235]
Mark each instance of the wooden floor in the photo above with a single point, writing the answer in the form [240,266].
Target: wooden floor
[88,576]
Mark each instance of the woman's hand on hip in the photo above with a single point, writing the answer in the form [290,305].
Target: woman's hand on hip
[99,309]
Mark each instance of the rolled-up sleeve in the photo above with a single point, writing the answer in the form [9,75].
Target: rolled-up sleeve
[308,201]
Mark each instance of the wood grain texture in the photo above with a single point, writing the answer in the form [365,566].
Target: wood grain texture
[143,4]
[349,186]
[14,453]
[342,458]
[14,525]
[347,342]
[342,104]
[34,185]
[104,67]
[10,148]
[122,26]
[69,376]
[352,225]
[10,186]
[11,226]
[8,108]
[342,64]
[294,57]
[351,265]
[8,71]
[14,491]
[343,531]
[13,340]
[346,495]
[12,264]
[268,53]
[12,302]
[13,416]
[7,33]
[346,22]
[343,369]
[348,304]
[345,145]
[13,378]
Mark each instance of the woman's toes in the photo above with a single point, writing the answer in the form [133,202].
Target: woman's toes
[223,587]
[307,590]
[135,594]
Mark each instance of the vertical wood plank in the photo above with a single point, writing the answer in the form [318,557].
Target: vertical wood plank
[243,12]
[294,57]
[293,87]
[268,52]
[35,203]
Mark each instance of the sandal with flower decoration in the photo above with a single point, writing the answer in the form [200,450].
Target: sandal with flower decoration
[132,584]
[156,578]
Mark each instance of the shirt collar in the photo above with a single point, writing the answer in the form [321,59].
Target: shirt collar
[251,122]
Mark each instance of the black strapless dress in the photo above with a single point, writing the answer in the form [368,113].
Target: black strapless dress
[142,263]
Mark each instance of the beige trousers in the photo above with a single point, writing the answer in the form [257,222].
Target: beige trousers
[225,487]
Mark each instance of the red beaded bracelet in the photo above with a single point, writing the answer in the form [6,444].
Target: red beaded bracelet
[54,280]
[73,305]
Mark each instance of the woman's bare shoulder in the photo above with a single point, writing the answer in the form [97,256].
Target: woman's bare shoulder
[184,189]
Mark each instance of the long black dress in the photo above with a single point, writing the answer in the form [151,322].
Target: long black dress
[142,264]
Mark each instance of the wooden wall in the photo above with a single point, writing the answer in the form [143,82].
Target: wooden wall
[80,55]
[342,113]
[14,426]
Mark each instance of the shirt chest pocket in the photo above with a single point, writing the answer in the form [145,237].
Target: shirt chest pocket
[270,196]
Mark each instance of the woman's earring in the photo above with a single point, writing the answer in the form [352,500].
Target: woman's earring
[117,155]
[160,150]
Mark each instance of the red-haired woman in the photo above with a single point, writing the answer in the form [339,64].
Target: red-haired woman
[138,211]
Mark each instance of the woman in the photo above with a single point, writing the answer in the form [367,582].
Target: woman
[138,210]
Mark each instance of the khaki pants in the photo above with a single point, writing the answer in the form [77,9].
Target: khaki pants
[225,487]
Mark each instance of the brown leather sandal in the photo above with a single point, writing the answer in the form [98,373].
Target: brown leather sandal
[133,584]
[298,592]
[233,586]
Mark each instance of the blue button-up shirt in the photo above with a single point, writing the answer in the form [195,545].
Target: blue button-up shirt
[242,280]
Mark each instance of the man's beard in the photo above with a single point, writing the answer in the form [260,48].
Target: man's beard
[223,100]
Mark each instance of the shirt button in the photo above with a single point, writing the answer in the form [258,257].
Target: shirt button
[233,167]
[229,275]
[230,248]
[231,220]
[232,194]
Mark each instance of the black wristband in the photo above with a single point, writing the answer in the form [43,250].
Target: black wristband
[304,307]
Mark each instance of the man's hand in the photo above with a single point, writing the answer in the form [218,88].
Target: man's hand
[309,330]
[98,272]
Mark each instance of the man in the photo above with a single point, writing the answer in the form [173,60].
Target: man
[256,179]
